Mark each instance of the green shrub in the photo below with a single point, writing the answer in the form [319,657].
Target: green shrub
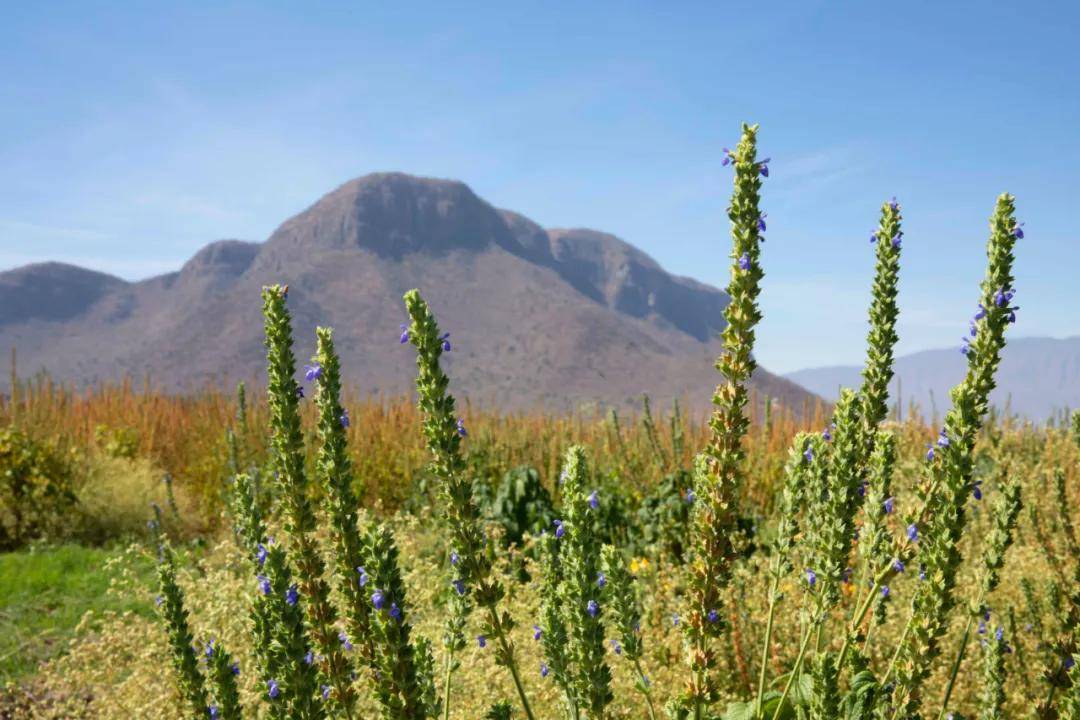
[521,504]
[36,481]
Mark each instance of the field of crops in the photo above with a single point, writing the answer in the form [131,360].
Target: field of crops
[321,555]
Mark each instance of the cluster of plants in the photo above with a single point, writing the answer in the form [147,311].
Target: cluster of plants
[849,552]
[866,569]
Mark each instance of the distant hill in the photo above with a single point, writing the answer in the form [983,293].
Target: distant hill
[1038,377]
[550,318]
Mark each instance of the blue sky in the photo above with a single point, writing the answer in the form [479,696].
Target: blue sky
[131,134]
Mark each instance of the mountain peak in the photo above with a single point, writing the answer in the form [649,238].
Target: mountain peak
[51,291]
[394,214]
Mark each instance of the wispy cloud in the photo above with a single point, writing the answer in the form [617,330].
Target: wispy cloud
[21,232]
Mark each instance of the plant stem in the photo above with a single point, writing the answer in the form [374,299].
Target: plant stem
[508,655]
[794,671]
[758,710]
[645,689]
[956,667]
[446,683]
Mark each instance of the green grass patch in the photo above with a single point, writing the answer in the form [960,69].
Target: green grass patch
[44,592]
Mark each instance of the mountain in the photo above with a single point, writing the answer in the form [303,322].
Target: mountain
[550,318]
[1038,377]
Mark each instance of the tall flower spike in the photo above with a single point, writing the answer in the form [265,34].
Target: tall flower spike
[288,442]
[282,645]
[875,543]
[626,613]
[580,558]
[951,472]
[881,340]
[175,615]
[221,671]
[715,513]
[443,436]
[388,655]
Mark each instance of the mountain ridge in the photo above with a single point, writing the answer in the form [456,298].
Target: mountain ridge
[548,317]
[1038,377]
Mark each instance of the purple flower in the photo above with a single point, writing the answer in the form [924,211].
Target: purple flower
[537,632]
[744,261]
[260,554]
[235,667]
[976,489]
[981,313]
[461,428]
[999,634]
[395,611]
[846,575]
[930,451]
[445,340]
[481,641]
[898,565]
[826,435]
[158,600]
[601,580]
[728,157]
[763,167]
[272,689]
[943,439]
[1069,662]
[344,418]
[378,599]
[890,504]
[893,204]
[544,670]
[811,577]
[675,619]
[713,615]
[922,573]
[264,584]
[345,640]
[363,576]
[312,372]
[210,649]
[404,333]
[982,627]
[593,608]
[862,489]
[594,500]
[454,558]
[616,646]
[913,532]
[761,222]
[884,591]
[214,714]
[1018,231]
[309,659]
[560,530]
[1002,297]
[690,496]
[459,585]
[300,391]
[292,595]
[896,240]
[325,692]
[808,455]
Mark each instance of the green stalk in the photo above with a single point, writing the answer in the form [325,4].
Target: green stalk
[646,692]
[758,710]
[956,667]
[798,665]
[508,658]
